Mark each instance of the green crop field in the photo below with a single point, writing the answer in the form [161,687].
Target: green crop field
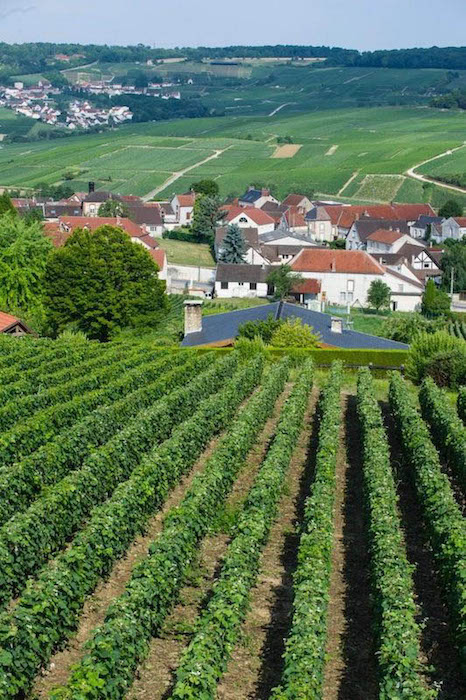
[375,145]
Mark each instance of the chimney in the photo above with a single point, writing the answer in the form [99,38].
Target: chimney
[265,192]
[91,187]
[192,316]
[333,266]
[336,325]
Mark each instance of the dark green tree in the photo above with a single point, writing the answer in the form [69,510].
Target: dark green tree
[206,217]
[451,208]
[379,294]
[6,205]
[435,302]
[101,282]
[283,279]
[113,208]
[208,187]
[233,246]
[454,258]
[23,257]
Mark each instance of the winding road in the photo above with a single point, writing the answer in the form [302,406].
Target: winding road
[423,178]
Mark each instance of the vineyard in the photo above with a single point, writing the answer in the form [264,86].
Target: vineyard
[197,525]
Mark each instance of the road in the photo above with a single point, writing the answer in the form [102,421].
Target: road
[279,108]
[176,176]
[423,178]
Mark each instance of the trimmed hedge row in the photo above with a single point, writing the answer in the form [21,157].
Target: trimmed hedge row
[447,430]
[304,658]
[22,483]
[16,409]
[33,432]
[58,372]
[32,354]
[461,404]
[397,630]
[445,523]
[206,658]
[30,538]
[48,613]
[113,655]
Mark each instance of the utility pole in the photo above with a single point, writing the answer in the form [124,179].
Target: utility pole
[452,278]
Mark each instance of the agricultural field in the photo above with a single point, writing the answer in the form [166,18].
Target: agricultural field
[360,153]
[198,524]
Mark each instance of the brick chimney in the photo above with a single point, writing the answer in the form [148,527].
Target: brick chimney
[336,325]
[192,316]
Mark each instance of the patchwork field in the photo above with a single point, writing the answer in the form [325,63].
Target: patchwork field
[376,146]
[199,524]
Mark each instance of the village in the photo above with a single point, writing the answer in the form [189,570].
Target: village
[338,250]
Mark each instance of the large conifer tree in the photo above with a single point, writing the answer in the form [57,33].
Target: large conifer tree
[233,246]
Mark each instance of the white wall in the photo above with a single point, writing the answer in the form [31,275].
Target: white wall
[191,272]
[335,284]
[237,290]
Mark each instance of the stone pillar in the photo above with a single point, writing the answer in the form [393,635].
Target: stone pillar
[192,316]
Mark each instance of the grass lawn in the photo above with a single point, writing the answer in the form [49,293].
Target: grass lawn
[181,253]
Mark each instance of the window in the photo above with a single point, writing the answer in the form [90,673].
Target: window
[243,220]
[343,296]
[427,265]
[400,287]
[321,227]
[350,285]
[350,297]
[223,285]
[240,284]
[253,285]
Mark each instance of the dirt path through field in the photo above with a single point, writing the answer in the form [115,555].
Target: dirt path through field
[348,182]
[287,151]
[351,672]
[176,176]
[156,674]
[96,605]
[278,109]
[423,178]
[256,663]
[438,651]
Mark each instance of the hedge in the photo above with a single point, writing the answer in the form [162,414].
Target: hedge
[30,538]
[22,483]
[397,630]
[48,614]
[117,647]
[33,353]
[304,658]
[445,523]
[447,430]
[206,658]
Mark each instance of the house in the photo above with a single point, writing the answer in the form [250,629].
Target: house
[220,330]
[286,238]
[241,280]
[53,210]
[183,207]
[250,235]
[69,224]
[362,228]
[10,325]
[299,201]
[454,227]
[93,201]
[419,228]
[249,217]
[159,257]
[320,225]
[293,220]
[256,198]
[149,217]
[383,241]
[280,254]
[423,263]
[346,276]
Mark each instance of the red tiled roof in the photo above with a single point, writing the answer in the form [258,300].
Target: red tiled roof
[94,222]
[344,216]
[259,216]
[461,221]
[186,200]
[294,200]
[385,236]
[310,286]
[6,321]
[159,257]
[321,260]
[149,241]
[295,218]
[57,236]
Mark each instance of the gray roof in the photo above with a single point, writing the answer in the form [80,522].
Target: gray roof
[277,235]
[100,196]
[52,210]
[150,216]
[423,221]
[250,235]
[241,273]
[251,196]
[366,226]
[222,327]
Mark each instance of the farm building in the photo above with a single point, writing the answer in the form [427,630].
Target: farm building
[10,325]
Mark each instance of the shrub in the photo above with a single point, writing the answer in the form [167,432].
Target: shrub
[294,334]
[249,348]
[404,327]
[260,329]
[427,353]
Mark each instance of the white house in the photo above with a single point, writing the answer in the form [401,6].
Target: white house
[300,201]
[256,198]
[183,206]
[346,276]
[383,241]
[249,217]
[454,227]
[361,229]
[241,280]
[419,228]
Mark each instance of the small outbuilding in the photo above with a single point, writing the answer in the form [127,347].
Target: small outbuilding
[10,325]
